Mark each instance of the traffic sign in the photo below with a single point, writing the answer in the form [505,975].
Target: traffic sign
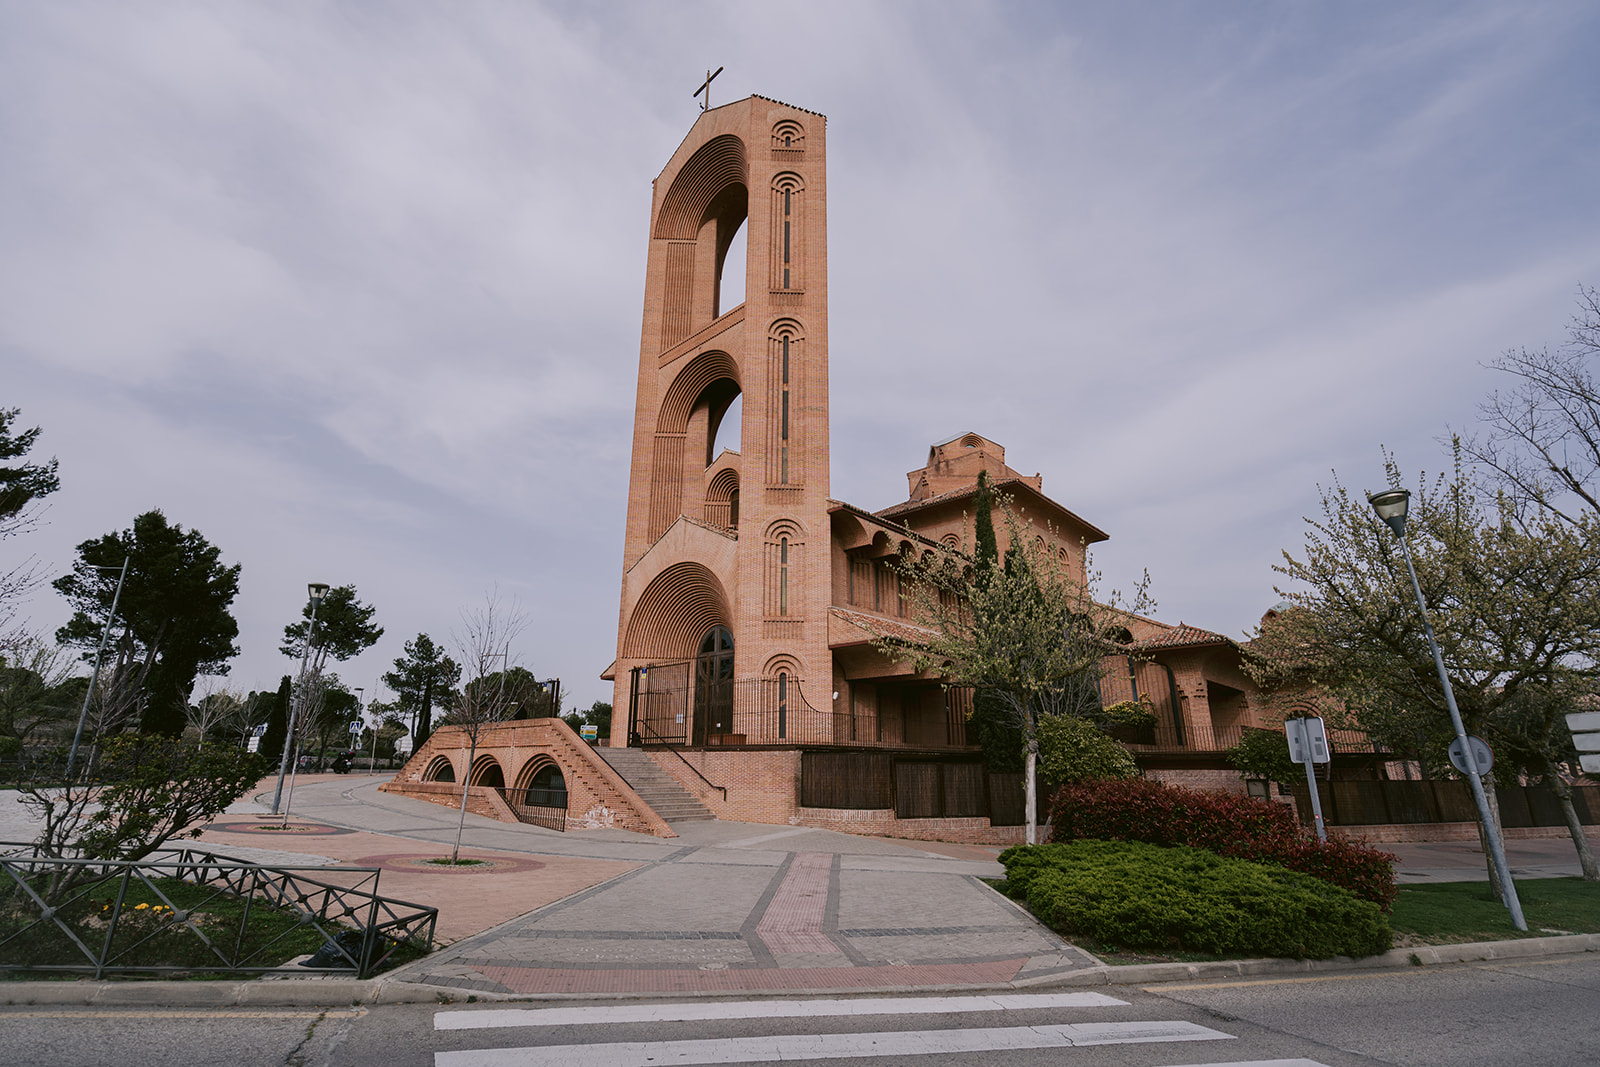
[1308,740]
[1585,727]
[356,727]
[1482,756]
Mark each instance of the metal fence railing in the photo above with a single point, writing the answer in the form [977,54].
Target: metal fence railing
[189,911]
[538,807]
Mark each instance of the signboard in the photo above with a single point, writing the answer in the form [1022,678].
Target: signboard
[253,744]
[259,731]
[1308,741]
[402,744]
[1585,727]
[1482,756]
[356,727]
[589,733]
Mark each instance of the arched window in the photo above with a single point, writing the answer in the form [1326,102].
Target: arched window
[547,788]
[783,576]
[788,197]
[784,345]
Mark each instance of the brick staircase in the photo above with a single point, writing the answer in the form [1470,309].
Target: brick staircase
[666,797]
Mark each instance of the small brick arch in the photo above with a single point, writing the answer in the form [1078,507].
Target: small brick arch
[440,770]
[487,771]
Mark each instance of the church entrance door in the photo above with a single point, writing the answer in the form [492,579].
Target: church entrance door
[713,686]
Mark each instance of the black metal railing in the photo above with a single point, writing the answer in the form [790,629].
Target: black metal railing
[668,709]
[538,807]
[104,917]
[655,738]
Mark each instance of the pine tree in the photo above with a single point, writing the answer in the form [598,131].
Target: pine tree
[277,723]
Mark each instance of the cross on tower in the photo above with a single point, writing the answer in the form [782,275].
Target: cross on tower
[705,87]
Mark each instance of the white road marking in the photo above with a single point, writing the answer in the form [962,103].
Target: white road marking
[1260,1063]
[828,1046]
[771,1009]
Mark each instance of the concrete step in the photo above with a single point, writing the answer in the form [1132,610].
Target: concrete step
[664,793]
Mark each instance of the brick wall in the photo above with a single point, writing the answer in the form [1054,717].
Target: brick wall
[597,797]
[762,784]
[882,823]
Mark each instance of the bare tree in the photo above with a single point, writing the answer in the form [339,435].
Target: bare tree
[1543,441]
[215,707]
[483,644]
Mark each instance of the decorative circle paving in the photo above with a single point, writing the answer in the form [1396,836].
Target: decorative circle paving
[278,829]
[427,862]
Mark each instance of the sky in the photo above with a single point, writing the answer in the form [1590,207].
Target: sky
[355,289]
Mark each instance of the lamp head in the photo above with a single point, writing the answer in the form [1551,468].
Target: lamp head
[317,590]
[1392,506]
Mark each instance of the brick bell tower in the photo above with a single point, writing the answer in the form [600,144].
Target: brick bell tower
[725,587]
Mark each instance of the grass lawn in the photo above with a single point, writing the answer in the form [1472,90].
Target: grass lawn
[1455,912]
[148,936]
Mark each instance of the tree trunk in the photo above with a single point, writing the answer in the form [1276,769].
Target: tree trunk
[1580,841]
[1489,794]
[1030,795]
[466,784]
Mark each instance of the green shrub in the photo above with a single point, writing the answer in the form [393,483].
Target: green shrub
[1076,750]
[1133,895]
[1228,824]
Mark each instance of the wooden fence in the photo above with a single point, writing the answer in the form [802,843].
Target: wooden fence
[1368,803]
[914,788]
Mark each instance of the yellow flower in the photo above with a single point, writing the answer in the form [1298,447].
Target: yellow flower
[140,907]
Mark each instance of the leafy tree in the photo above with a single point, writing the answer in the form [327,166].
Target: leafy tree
[330,708]
[1074,749]
[1028,633]
[1515,601]
[150,789]
[24,483]
[421,681]
[172,620]
[36,689]
[527,696]
[1265,754]
[271,747]
[597,715]
[21,485]
[344,629]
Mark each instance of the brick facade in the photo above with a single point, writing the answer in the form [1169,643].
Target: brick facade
[509,754]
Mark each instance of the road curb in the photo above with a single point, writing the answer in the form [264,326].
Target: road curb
[335,993]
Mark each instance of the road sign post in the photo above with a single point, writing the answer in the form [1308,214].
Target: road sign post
[1308,744]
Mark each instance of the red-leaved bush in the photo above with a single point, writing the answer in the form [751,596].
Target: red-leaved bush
[1137,809]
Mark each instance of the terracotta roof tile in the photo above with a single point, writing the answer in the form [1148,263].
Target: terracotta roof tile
[1183,635]
[878,625]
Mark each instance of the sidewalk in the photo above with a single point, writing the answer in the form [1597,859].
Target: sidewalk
[725,908]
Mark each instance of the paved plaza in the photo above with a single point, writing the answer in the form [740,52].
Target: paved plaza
[723,908]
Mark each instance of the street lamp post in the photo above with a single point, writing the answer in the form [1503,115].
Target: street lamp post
[316,591]
[1392,506]
[105,635]
[355,750]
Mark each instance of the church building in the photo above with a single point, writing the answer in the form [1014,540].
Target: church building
[745,674]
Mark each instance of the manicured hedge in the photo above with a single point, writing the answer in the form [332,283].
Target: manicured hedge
[1228,824]
[1127,894]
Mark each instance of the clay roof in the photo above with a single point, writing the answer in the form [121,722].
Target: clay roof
[892,527]
[785,103]
[879,626]
[1183,636]
[1008,484]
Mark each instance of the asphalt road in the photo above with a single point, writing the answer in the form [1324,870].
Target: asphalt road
[1542,1013]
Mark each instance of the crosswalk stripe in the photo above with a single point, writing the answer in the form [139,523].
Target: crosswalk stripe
[685,1011]
[829,1046]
